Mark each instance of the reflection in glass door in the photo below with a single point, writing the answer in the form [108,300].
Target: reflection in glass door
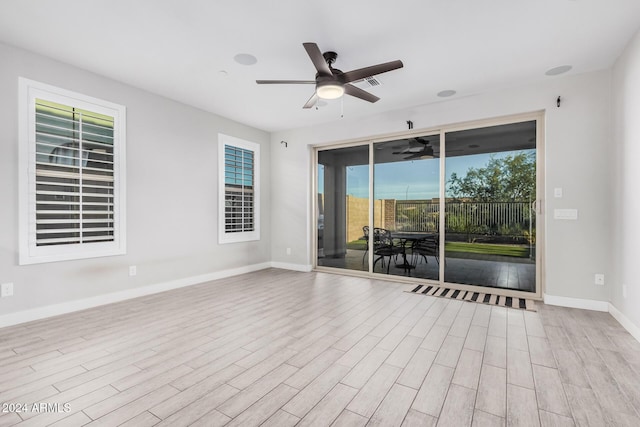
[406,206]
[343,207]
[490,221]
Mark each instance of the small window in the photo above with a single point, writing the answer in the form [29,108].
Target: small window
[239,199]
[72,175]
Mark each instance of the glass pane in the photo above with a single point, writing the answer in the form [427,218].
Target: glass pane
[343,207]
[490,222]
[406,209]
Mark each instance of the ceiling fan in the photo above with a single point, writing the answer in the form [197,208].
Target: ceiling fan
[418,148]
[332,83]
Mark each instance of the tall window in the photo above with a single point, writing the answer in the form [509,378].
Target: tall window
[239,190]
[72,172]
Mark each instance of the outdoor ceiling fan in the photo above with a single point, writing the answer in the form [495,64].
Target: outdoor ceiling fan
[418,148]
[332,83]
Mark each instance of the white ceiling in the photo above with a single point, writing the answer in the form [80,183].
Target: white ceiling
[178,48]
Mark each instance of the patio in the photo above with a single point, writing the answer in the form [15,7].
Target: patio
[490,271]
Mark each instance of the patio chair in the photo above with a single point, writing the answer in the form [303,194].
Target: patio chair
[428,246]
[365,236]
[383,246]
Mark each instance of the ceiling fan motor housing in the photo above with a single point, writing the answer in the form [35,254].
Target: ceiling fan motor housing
[330,57]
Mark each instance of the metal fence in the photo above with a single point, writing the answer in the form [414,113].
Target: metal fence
[496,218]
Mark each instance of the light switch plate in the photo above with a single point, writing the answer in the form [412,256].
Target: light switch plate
[567,214]
[557,192]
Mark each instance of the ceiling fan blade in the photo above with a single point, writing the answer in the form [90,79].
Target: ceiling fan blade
[286,82]
[361,73]
[316,57]
[312,101]
[359,93]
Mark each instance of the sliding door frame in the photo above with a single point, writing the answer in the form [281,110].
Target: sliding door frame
[537,116]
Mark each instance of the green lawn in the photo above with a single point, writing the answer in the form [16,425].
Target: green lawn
[488,249]
[473,248]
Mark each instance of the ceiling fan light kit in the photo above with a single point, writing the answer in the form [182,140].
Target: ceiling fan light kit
[329,90]
[332,83]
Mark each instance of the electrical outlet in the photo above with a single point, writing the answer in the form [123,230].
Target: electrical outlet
[599,279]
[6,290]
[288,251]
[133,270]
[557,193]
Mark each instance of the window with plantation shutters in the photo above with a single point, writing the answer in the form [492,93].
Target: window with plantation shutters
[239,162]
[72,149]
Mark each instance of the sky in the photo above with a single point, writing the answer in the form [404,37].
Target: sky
[410,180]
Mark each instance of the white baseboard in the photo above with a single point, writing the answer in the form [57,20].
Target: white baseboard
[295,267]
[82,304]
[625,322]
[586,304]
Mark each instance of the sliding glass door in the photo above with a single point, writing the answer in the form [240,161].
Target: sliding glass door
[490,218]
[406,210]
[454,206]
[343,207]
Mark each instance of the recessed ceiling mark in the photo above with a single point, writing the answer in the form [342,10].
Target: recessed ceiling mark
[245,59]
[558,70]
[446,93]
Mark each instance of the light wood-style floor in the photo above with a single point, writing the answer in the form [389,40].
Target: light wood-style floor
[281,348]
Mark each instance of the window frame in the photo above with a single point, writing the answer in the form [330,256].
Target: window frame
[225,237]
[29,252]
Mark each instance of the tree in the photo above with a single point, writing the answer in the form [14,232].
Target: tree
[506,179]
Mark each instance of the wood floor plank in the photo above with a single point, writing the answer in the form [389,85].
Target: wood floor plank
[330,407]
[247,397]
[314,368]
[549,390]
[450,351]
[495,351]
[476,338]
[135,408]
[492,391]
[404,351]
[358,351]
[467,370]
[131,394]
[199,408]
[372,393]
[145,419]
[484,419]
[265,407]
[522,409]
[361,373]
[195,392]
[256,372]
[519,371]
[458,407]
[416,370]
[308,397]
[549,419]
[76,420]
[418,419]
[433,391]
[393,409]
[211,419]
[281,419]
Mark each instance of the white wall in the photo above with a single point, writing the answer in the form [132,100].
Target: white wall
[577,159]
[171,192]
[626,212]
